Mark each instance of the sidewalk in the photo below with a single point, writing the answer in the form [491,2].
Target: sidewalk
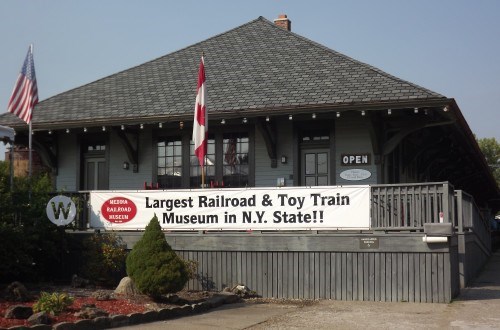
[477,307]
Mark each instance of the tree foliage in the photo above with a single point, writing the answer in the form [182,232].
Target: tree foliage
[491,150]
[32,246]
[152,264]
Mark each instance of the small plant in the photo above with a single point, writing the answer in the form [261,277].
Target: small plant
[191,268]
[104,258]
[52,303]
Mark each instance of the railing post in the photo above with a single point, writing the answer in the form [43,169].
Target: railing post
[446,202]
[460,211]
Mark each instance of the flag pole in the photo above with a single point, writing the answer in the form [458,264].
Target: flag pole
[30,139]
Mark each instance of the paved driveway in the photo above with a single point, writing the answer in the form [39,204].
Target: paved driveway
[478,307]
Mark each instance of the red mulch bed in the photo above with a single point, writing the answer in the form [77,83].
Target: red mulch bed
[117,306]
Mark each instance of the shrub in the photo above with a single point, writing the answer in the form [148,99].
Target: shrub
[152,264]
[104,258]
[53,303]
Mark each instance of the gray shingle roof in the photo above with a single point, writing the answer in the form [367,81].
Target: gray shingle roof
[254,67]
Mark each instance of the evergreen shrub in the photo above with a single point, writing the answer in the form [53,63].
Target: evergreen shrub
[153,266]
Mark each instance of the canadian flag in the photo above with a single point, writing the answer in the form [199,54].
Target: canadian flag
[200,122]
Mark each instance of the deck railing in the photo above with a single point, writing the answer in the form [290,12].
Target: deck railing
[470,219]
[410,206]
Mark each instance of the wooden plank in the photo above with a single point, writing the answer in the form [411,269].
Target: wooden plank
[296,278]
[349,276]
[371,276]
[355,276]
[440,278]
[400,277]
[344,276]
[318,276]
[383,277]
[434,277]
[260,286]
[394,276]
[265,277]
[321,275]
[411,277]
[328,275]
[279,277]
[428,277]
[405,276]
[378,279]
[338,276]
[366,276]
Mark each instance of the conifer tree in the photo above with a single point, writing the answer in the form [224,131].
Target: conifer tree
[152,264]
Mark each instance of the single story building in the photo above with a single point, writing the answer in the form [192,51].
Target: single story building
[284,113]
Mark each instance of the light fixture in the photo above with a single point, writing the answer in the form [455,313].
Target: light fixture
[313,116]
[267,118]
[160,125]
[389,111]
[338,114]
[415,110]
[223,121]
[290,117]
[283,160]
[32,132]
[446,109]
[181,125]
[426,112]
[126,165]
[85,129]
[363,113]
[104,128]
[141,126]
[50,132]
[123,127]
[67,130]
[245,120]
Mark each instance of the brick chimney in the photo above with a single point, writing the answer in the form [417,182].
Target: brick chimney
[283,22]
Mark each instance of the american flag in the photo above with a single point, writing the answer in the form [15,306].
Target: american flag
[200,122]
[25,94]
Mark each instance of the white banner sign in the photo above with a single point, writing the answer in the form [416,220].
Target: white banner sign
[294,208]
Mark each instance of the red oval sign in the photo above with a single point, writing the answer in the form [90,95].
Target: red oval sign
[118,210]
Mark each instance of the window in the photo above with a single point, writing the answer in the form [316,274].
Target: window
[226,163]
[170,163]
[195,168]
[235,163]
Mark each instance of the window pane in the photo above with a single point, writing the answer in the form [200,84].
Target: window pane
[322,180]
[322,163]
[310,180]
[310,164]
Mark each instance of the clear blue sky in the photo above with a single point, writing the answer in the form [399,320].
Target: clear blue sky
[449,46]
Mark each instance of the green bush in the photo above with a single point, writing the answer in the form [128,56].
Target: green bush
[32,247]
[104,258]
[52,303]
[152,264]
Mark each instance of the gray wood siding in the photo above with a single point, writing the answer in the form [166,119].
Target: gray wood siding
[318,266]
[265,176]
[367,276]
[352,137]
[67,162]
[127,179]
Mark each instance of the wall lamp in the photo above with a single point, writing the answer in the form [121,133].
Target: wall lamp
[389,112]
[267,118]
[338,114]
[126,165]
[290,117]
[415,110]
[284,160]
[160,125]
[245,120]
[223,121]
[313,116]
[363,113]
[104,128]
